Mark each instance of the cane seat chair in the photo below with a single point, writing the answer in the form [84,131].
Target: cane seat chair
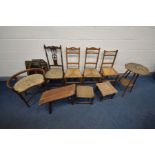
[108,61]
[55,64]
[23,85]
[91,72]
[73,65]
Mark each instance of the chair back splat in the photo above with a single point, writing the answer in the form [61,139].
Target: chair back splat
[92,52]
[52,53]
[73,52]
[109,54]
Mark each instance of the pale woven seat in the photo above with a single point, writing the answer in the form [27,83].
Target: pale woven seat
[109,71]
[91,72]
[106,88]
[85,92]
[54,73]
[28,82]
[73,73]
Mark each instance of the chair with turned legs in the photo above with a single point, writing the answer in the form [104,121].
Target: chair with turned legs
[107,67]
[90,66]
[72,73]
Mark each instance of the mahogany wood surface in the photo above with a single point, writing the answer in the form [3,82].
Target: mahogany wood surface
[57,94]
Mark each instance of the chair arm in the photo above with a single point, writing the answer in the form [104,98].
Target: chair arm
[8,83]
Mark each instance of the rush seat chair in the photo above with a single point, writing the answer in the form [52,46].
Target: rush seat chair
[73,65]
[90,66]
[107,69]
[55,63]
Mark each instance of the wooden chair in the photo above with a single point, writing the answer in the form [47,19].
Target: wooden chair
[89,72]
[56,71]
[107,69]
[73,66]
[22,85]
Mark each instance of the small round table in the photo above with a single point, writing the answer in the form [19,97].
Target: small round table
[136,70]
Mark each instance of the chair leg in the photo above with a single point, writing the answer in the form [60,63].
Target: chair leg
[65,81]
[81,81]
[24,100]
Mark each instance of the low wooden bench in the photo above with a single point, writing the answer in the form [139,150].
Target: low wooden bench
[53,95]
[106,89]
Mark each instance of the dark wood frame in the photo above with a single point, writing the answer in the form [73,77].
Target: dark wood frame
[54,50]
[95,51]
[14,77]
[133,80]
[75,51]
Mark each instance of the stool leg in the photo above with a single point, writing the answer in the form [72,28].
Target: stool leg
[92,100]
[112,96]
[50,108]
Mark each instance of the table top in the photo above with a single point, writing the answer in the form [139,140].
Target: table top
[57,94]
[137,68]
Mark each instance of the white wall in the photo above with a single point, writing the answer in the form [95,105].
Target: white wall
[17,44]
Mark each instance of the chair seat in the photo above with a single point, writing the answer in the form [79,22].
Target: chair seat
[125,82]
[28,82]
[54,73]
[106,88]
[85,92]
[91,72]
[109,71]
[73,73]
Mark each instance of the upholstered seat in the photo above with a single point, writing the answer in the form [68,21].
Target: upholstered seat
[85,92]
[54,73]
[28,82]
[109,71]
[73,73]
[91,72]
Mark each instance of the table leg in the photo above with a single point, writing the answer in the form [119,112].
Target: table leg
[50,107]
[132,79]
[136,77]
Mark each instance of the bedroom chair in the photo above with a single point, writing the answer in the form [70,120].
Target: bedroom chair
[91,72]
[107,69]
[55,64]
[73,65]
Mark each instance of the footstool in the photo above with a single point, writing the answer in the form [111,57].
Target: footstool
[106,90]
[85,93]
